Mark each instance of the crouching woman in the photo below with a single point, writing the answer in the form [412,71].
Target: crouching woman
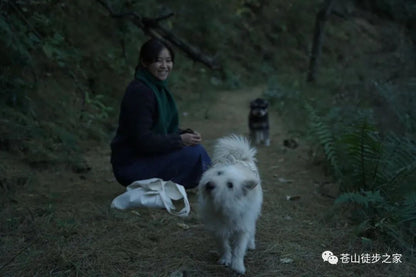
[148,142]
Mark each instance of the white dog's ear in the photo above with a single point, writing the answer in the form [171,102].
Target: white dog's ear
[249,185]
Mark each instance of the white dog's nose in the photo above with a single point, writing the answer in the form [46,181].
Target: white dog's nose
[209,186]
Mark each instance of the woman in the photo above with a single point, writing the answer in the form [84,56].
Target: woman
[148,142]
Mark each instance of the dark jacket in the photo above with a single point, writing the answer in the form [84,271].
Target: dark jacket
[134,137]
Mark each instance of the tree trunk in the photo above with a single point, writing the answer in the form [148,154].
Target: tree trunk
[321,18]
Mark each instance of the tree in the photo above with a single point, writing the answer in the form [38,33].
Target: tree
[321,18]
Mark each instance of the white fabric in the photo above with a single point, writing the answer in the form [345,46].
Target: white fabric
[153,193]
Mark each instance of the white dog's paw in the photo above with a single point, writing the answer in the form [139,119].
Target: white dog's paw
[225,260]
[238,266]
[251,245]
[267,142]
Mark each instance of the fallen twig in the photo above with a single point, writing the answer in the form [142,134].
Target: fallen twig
[17,254]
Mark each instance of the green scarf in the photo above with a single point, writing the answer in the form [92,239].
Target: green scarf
[168,120]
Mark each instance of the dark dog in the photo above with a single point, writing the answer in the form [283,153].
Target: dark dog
[258,121]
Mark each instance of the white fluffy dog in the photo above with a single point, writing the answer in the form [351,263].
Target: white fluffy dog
[230,199]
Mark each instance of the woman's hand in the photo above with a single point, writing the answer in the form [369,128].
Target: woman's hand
[190,139]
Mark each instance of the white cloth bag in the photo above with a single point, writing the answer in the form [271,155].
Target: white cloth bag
[153,193]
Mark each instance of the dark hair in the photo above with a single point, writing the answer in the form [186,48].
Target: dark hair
[151,49]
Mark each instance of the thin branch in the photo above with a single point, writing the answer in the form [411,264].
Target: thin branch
[22,16]
[152,21]
[191,51]
[151,27]
[17,254]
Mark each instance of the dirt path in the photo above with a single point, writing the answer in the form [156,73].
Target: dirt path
[288,228]
[61,224]
[292,234]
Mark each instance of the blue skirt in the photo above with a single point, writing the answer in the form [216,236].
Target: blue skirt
[184,167]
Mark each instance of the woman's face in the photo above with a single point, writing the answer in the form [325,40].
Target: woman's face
[162,66]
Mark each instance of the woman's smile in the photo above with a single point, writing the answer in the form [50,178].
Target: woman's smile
[162,66]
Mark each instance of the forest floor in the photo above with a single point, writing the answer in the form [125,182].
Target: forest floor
[59,223]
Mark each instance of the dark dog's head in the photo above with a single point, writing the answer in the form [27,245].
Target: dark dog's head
[258,107]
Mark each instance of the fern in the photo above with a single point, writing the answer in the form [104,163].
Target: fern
[384,169]
[377,176]
[399,162]
[374,162]
[363,148]
[325,138]
[408,213]
[364,198]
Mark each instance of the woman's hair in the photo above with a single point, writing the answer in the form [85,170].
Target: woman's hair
[151,49]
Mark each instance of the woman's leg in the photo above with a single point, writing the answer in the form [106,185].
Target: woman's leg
[186,169]
[184,166]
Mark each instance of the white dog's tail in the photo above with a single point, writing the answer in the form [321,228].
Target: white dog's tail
[234,148]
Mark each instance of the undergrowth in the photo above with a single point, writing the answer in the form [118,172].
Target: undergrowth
[49,102]
[376,173]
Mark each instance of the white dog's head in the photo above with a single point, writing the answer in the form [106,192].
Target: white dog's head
[227,184]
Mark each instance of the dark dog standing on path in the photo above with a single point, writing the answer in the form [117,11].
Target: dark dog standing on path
[258,121]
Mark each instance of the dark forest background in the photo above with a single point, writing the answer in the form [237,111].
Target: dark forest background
[64,66]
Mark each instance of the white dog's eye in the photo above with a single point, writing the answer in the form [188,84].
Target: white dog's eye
[230,185]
